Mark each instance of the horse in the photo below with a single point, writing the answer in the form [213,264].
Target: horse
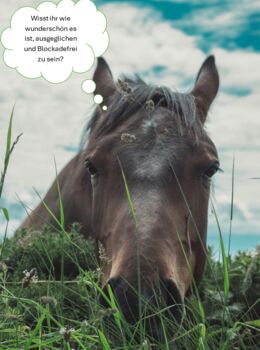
[140,187]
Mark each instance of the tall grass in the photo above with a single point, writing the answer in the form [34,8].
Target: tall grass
[8,151]
[42,315]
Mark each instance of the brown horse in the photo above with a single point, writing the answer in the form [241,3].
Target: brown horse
[141,187]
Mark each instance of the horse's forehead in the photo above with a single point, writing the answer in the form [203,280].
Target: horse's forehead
[152,139]
[162,132]
[159,119]
[152,151]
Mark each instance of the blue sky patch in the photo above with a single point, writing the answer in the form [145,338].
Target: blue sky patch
[227,24]
[237,91]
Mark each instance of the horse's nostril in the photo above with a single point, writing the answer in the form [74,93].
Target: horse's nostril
[129,300]
[125,297]
[114,284]
[173,299]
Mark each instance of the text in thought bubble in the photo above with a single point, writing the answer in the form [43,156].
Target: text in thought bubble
[54,40]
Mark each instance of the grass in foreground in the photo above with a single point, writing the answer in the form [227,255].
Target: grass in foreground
[60,308]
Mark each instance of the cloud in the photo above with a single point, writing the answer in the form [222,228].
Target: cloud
[221,18]
[140,40]
[238,68]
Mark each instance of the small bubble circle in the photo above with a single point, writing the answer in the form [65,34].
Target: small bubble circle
[104,108]
[98,99]
[89,86]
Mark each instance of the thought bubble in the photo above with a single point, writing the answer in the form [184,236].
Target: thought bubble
[52,41]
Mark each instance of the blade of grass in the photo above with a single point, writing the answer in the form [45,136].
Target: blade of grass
[62,220]
[35,331]
[129,198]
[103,340]
[117,315]
[133,212]
[194,222]
[6,215]
[8,151]
[232,204]
[224,257]
[63,229]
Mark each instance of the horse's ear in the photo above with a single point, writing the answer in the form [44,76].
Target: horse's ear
[206,86]
[104,81]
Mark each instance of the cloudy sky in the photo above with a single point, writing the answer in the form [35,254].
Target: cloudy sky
[165,42]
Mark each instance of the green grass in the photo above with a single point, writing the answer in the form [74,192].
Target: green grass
[8,151]
[60,309]
[43,315]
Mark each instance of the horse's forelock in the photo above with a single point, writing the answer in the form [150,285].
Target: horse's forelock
[134,95]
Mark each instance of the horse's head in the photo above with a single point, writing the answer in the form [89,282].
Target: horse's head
[150,163]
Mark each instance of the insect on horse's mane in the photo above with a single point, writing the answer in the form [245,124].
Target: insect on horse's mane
[133,95]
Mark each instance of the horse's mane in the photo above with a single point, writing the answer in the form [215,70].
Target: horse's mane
[133,95]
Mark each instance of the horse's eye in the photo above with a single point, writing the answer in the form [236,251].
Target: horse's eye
[90,167]
[211,171]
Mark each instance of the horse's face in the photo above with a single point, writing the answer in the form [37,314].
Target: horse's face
[150,178]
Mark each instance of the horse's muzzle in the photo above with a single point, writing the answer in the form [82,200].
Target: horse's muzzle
[148,303]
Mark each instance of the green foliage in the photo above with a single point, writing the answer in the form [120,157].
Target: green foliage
[39,314]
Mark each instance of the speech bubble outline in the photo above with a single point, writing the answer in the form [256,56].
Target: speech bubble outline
[36,11]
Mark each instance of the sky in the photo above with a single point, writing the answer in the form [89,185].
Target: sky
[165,42]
